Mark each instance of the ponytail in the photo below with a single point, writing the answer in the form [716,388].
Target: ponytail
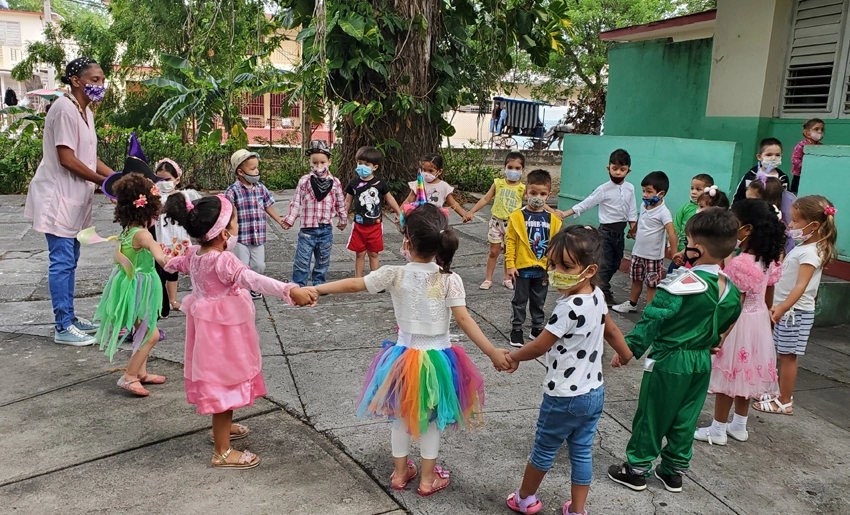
[430,236]
[197,221]
[446,249]
[815,208]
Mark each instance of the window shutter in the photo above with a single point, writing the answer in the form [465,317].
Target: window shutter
[814,52]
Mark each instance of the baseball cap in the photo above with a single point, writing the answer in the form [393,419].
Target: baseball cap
[239,157]
[319,146]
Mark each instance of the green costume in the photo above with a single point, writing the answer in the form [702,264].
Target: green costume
[132,294]
[684,320]
[681,219]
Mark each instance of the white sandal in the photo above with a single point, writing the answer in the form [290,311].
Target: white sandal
[772,405]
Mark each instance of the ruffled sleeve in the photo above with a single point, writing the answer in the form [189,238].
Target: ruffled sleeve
[744,273]
[181,263]
[774,273]
[230,270]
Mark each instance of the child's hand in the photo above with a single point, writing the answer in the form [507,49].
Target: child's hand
[285,225]
[631,234]
[513,362]
[776,313]
[467,217]
[341,226]
[304,296]
[714,350]
[617,362]
[560,214]
[678,258]
[513,273]
[500,360]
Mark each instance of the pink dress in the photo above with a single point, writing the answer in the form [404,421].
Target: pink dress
[223,366]
[746,365]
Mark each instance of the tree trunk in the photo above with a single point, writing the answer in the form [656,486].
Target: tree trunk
[410,73]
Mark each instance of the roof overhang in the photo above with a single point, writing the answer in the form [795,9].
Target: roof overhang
[682,28]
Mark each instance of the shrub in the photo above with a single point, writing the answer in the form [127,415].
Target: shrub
[465,169]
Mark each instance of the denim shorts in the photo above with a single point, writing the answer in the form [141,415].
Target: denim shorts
[571,420]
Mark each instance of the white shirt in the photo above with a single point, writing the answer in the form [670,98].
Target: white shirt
[435,192]
[422,296]
[574,363]
[651,236]
[799,255]
[616,203]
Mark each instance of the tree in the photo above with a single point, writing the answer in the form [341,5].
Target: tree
[396,66]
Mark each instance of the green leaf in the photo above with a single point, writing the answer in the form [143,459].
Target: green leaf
[348,108]
[166,84]
[174,61]
[354,25]
[305,33]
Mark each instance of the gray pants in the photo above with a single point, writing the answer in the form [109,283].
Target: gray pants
[254,256]
[531,292]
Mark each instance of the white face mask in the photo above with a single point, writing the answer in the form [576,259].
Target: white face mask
[815,136]
[231,242]
[770,164]
[165,186]
[798,236]
[513,175]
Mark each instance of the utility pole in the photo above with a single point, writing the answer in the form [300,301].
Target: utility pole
[51,79]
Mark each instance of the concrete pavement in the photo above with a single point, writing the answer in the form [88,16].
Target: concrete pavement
[75,443]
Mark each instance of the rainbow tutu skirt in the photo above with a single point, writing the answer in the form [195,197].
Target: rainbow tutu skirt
[420,386]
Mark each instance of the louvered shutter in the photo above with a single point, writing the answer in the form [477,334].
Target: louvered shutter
[815,49]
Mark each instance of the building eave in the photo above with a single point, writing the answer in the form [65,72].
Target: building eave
[682,28]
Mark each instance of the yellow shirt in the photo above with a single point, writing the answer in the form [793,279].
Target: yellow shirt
[507,199]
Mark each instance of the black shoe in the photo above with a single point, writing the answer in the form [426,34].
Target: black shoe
[517,338]
[609,300]
[256,295]
[536,332]
[627,477]
[672,482]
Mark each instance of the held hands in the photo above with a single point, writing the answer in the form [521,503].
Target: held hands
[679,258]
[776,313]
[631,233]
[304,296]
[285,225]
[341,226]
[560,214]
[467,217]
[618,361]
[500,360]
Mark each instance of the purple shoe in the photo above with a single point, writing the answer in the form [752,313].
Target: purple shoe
[568,512]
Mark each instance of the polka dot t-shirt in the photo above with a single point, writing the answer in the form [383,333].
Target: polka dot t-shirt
[574,363]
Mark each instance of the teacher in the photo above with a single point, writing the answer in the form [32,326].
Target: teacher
[59,200]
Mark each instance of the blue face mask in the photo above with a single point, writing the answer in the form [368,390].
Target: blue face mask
[363,171]
[651,201]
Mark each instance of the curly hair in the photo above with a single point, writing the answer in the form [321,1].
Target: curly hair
[129,190]
[767,239]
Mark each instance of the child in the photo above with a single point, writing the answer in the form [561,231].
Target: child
[687,318]
[132,298]
[812,135]
[173,239]
[814,231]
[745,366]
[699,184]
[222,367]
[770,189]
[423,383]
[649,250]
[710,197]
[367,192]
[617,207]
[527,242]
[508,194]
[252,201]
[769,160]
[437,191]
[319,195]
[572,388]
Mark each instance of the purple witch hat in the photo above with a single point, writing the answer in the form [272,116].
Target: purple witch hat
[136,162]
[136,148]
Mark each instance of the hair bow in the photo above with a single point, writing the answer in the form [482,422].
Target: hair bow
[762,177]
[189,205]
[829,211]
[711,191]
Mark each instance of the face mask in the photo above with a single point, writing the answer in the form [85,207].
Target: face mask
[231,242]
[428,177]
[651,201]
[95,93]
[692,260]
[165,186]
[798,236]
[251,179]
[536,202]
[363,171]
[770,164]
[513,175]
[561,281]
[616,180]
[699,209]
[815,136]
[319,171]
[739,242]
[405,252]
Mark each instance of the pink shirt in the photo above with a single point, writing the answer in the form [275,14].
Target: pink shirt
[797,156]
[59,202]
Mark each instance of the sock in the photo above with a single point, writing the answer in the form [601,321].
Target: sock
[633,303]
[717,428]
[739,423]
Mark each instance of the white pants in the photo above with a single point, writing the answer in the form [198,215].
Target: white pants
[254,256]
[429,441]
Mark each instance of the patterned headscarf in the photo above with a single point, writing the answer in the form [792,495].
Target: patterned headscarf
[76,67]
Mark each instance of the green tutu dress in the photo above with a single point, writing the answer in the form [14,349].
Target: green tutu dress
[132,294]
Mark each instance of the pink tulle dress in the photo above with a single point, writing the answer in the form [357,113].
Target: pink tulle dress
[223,366]
[746,365]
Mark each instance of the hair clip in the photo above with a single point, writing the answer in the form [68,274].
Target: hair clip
[711,191]
[442,231]
[155,190]
[829,211]
[142,201]
[762,177]
[189,205]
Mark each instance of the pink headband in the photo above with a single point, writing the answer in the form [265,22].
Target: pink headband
[223,218]
[172,163]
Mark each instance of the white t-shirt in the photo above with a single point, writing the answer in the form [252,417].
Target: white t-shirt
[651,236]
[435,192]
[799,255]
[574,363]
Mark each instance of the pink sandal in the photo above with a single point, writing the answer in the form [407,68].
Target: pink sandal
[528,505]
[408,479]
[441,474]
[152,379]
[137,390]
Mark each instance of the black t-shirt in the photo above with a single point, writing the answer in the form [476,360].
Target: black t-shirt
[368,197]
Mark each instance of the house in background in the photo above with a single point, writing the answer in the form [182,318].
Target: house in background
[17,28]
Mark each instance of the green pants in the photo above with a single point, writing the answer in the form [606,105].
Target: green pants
[669,406]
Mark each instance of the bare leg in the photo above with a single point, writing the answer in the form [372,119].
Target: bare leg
[722,404]
[492,258]
[359,264]
[650,294]
[742,406]
[634,294]
[578,496]
[374,261]
[171,287]
[137,367]
[530,481]
[222,424]
[787,377]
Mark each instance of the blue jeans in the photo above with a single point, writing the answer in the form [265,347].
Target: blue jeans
[61,276]
[315,242]
[570,419]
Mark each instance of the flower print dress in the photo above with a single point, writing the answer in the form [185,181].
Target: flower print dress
[746,365]
[173,238]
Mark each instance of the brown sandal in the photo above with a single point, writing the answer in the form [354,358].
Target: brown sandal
[241,432]
[248,460]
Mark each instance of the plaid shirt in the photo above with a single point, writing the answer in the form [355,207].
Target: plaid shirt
[251,205]
[314,213]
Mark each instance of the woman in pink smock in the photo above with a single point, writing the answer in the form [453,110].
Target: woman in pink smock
[223,366]
[59,200]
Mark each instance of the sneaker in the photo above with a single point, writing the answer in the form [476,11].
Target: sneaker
[256,295]
[704,434]
[536,332]
[625,307]
[672,482]
[741,436]
[626,476]
[517,338]
[73,337]
[86,326]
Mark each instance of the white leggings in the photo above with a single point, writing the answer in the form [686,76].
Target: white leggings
[429,441]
